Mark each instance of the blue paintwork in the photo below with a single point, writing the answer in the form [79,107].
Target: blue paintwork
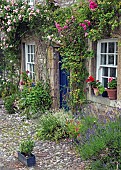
[63,86]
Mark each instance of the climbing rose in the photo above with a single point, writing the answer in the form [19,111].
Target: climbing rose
[88,22]
[92,5]
[83,25]
[65,27]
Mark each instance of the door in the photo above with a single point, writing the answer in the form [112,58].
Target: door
[64,88]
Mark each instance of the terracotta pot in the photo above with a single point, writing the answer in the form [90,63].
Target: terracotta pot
[112,94]
[96,91]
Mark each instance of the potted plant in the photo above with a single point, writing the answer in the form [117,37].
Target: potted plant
[112,88]
[25,154]
[96,85]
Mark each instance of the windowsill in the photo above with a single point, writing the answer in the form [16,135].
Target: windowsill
[102,100]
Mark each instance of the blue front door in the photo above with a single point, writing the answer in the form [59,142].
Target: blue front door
[63,87]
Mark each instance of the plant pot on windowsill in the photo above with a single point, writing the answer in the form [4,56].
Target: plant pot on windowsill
[112,94]
[96,91]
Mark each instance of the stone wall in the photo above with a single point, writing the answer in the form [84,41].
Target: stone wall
[53,70]
[46,65]
[102,111]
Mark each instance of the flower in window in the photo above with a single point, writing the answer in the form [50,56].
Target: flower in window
[112,83]
[95,84]
[92,82]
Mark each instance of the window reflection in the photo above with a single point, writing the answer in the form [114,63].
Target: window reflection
[111,59]
[103,59]
[105,82]
[112,72]
[103,47]
[111,47]
[104,71]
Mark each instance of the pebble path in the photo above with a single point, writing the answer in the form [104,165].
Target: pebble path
[49,155]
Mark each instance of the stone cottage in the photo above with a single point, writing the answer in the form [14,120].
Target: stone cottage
[38,57]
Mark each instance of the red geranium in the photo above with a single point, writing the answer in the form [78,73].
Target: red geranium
[90,79]
[94,83]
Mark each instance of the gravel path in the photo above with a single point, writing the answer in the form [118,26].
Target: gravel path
[49,155]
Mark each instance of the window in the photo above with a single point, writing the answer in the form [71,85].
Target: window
[30,2]
[107,60]
[30,59]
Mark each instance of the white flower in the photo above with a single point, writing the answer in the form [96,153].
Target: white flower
[9,22]
[37,11]
[14,20]
[49,37]
[9,29]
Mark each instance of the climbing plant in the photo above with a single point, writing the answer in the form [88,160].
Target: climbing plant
[69,27]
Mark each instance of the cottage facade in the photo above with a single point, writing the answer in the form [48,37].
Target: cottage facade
[43,60]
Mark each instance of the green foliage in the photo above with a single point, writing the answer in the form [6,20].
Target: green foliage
[26,146]
[78,128]
[9,77]
[104,145]
[9,103]
[112,84]
[52,127]
[35,100]
[68,27]
[110,156]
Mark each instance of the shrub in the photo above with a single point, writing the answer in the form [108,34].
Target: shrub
[110,157]
[9,103]
[77,128]
[35,99]
[104,145]
[26,146]
[8,88]
[52,126]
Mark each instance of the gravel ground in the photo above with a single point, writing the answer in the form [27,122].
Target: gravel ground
[49,155]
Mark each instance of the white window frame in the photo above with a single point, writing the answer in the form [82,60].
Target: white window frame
[31,2]
[100,66]
[30,59]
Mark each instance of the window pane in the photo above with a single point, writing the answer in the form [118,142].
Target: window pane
[105,71]
[32,49]
[112,72]
[28,49]
[116,47]
[33,67]
[103,59]
[30,68]
[28,57]
[103,47]
[105,82]
[32,58]
[111,47]
[116,59]
[111,59]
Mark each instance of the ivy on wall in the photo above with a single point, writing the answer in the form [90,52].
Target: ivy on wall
[69,27]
